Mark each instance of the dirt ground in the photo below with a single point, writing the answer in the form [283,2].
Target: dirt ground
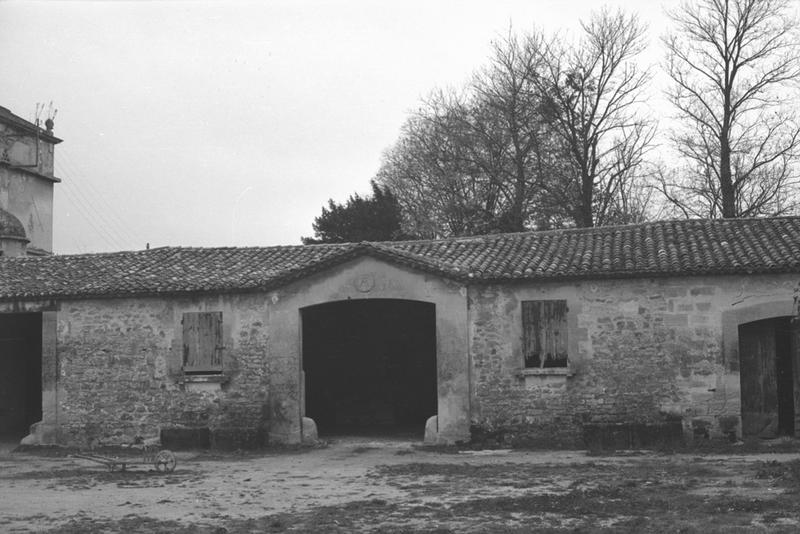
[362,485]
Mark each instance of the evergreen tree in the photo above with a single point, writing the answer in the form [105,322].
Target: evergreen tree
[375,218]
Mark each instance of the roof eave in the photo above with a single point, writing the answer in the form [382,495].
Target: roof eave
[291,277]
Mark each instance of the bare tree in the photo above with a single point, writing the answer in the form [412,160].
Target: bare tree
[731,63]
[546,135]
[440,197]
[592,96]
[507,118]
[474,162]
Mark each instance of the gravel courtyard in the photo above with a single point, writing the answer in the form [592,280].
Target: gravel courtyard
[362,485]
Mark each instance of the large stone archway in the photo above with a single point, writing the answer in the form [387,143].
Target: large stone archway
[368,278]
[370,367]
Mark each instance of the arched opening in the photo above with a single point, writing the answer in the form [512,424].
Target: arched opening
[20,373]
[370,366]
[768,370]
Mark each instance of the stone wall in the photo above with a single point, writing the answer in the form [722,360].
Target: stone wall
[647,353]
[119,371]
[644,352]
[118,361]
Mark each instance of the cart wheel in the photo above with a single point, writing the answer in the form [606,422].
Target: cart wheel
[165,462]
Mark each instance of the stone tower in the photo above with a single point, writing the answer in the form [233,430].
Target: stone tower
[26,185]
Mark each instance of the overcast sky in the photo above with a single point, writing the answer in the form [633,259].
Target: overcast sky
[232,123]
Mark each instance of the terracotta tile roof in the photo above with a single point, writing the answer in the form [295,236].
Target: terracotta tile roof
[666,248]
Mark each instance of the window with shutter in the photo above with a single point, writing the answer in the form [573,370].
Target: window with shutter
[544,333]
[202,342]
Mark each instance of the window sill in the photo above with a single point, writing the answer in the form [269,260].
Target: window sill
[203,378]
[209,382]
[547,371]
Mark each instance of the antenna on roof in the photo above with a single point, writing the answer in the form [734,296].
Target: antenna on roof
[51,116]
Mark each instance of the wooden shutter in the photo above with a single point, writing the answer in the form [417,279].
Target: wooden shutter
[544,333]
[202,342]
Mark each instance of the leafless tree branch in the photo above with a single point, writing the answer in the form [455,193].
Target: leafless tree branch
[732,63]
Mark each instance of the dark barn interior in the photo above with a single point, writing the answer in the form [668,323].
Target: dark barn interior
[768,360]
[20,373]
[370,366]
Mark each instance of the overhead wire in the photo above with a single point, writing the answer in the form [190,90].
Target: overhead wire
[91,213]
[113,219]
[74,198]
[106,239]
[105,213]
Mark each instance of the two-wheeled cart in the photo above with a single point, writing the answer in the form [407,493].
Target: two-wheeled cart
[161,459]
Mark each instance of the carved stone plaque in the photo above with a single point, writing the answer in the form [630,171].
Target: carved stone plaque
[364,283]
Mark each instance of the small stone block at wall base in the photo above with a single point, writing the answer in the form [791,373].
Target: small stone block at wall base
[432,430]
[41,434]
[238,438]
[179,438]
[625,436]
[310,435]
[226,438]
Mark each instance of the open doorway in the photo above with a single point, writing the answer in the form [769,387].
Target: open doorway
[370,366]
[768,370]
[20,373]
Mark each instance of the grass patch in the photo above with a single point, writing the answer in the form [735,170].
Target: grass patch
[86,478]
[604,509]
[689,494]
[785,473]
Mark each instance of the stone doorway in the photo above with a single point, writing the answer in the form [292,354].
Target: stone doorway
[769,377]
[370,366]
[20,373]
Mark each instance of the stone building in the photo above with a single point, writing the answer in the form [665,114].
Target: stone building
[26,228]
[26,185]
[665,330]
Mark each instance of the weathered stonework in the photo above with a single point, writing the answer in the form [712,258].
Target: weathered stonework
[646,355]
[26,180]
[119,361]
[642,351]
[119,369]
